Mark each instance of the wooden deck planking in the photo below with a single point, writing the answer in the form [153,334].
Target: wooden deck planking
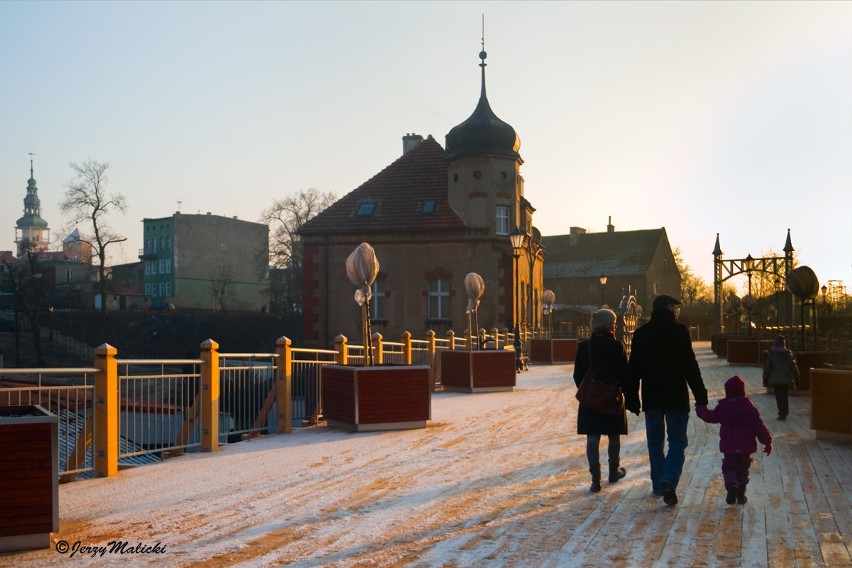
[799,511]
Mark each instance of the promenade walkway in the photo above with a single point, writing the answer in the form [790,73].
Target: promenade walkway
[497,479]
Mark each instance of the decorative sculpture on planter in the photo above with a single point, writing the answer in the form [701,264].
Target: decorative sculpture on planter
[548,298]
[362,267]
[474,285]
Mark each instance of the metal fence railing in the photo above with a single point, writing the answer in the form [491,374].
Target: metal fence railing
[127,412]
[68,393]
[247,394]
[160,410]
[306,391]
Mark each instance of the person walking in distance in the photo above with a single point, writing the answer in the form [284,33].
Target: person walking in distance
[663,363]
[605,354]
[779,372]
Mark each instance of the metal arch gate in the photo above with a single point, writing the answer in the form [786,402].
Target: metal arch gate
[725,269]
[629,314]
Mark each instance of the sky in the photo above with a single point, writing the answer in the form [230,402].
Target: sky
[701,117]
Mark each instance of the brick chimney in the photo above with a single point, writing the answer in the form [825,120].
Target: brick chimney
[574,234]
[610,228]
[409,141]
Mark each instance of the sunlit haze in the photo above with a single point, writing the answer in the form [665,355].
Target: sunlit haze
[701,117]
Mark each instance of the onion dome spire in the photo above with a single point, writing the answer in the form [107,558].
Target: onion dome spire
[483,133]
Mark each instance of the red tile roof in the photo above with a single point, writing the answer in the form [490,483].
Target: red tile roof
[398,192]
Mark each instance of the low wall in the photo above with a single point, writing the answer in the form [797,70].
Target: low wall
[831,403]
[747,351]
[806,360]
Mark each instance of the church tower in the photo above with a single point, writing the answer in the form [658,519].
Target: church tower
[31,231]
[486,189]
[483,168]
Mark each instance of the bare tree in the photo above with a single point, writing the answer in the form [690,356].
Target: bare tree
[222,286]
[87,201]
[285,217]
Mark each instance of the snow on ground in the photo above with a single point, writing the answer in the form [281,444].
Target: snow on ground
[496,479]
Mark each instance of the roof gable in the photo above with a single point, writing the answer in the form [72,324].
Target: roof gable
[408,195]
[616,253]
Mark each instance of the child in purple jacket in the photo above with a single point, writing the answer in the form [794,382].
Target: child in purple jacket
[740,424]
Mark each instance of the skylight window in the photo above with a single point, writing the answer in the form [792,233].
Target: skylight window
[366,209]
[428,207]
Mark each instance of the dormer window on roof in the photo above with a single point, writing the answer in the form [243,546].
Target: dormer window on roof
[366,209]
[428,207]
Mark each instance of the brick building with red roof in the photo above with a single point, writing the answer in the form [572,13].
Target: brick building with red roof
[433,216]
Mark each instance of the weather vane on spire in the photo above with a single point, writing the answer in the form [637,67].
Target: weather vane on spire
[482,54]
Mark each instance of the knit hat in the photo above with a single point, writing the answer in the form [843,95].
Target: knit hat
[603,319]
[780,341]
[735,386]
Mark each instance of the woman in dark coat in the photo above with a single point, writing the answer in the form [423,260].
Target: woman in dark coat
[606,354]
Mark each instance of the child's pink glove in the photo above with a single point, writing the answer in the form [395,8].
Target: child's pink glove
[767,449]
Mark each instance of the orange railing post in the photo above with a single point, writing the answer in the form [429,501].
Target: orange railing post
[341,345]
[285,385]
[106,411]
[210,396]
[406,348]
[379,347]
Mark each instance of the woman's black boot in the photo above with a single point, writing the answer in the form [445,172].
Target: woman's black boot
[615,472]
[595,470]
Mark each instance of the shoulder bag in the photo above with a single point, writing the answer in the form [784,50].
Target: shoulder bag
[599,394]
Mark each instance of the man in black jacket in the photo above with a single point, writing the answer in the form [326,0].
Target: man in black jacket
[662,360]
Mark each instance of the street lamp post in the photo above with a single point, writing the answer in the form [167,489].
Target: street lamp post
[534,247]
[777,306]
[602,280]
[749,264]
[517,239]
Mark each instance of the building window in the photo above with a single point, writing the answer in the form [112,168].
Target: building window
[377,302]
[428,207]
[168,242]
[168,288]
[366,209]
[438,299]
[168,266]
[502,220]
[162,267]
[162,289]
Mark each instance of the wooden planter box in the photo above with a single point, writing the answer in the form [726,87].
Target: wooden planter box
[553,350]
[478,371]
[747,351]
[367,399]
[719,343]
[831,404]
[29,477]
[806,360]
